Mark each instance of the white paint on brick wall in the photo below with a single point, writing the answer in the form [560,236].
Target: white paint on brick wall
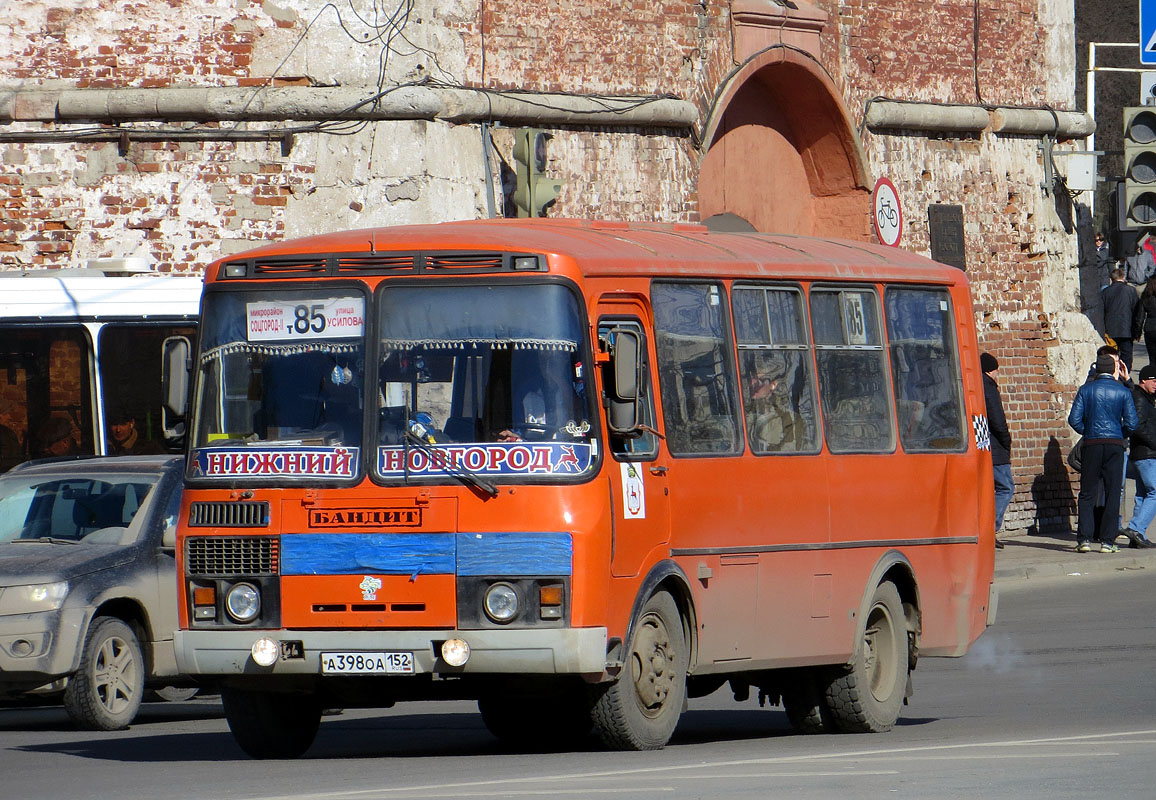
[353,43]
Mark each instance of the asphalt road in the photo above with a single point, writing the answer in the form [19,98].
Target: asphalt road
[1057,700]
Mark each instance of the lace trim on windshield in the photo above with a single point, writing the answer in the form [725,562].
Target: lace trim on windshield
[564,345]
[277,349]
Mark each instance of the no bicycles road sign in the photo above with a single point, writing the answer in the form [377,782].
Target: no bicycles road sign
[887,216]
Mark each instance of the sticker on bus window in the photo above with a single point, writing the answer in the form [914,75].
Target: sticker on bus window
[633,492]
[498,458]
[982,432]
[296,462]
[283,320]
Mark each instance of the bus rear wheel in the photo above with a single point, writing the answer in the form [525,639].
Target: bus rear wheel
[269,724]
[640,710]
[866,696]
[804,701]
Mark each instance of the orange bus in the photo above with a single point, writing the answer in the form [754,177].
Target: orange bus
[579,472]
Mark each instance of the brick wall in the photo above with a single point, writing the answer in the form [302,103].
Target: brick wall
[183,203]
[1024,267]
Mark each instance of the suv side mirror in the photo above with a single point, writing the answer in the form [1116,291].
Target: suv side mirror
[622,398]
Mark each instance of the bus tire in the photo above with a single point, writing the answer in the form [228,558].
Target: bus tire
[866,696]
[269,724]
[640,710]
[806,706]
[105,693]
[521,721]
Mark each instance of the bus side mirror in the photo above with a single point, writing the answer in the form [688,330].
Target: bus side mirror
[622,398]
[175,369]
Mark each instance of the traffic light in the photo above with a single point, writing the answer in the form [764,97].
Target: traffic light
[534,192]
[1138,203]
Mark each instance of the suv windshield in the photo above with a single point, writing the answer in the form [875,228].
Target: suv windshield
[94,508]
[485,380]
[281,384]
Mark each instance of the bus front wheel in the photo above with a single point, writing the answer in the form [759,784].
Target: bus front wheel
[640,710]
[556,720]
[271,725]
[866,696]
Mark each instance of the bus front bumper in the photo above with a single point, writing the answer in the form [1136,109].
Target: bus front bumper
[557,651]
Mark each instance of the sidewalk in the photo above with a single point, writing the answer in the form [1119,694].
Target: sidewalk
[1054,556]
[1042,556]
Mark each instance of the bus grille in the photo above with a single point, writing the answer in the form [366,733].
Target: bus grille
[231,555]
[288,266]
[381,263]
[473,262]
[219,514]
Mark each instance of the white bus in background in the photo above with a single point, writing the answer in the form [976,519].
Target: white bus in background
[80,351]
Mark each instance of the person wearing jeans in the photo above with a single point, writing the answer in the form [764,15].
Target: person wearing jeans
[1104,414]
[1000,440]
[1143,457]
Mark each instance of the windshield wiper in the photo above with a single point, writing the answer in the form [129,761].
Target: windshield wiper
[50,539]
[461,473]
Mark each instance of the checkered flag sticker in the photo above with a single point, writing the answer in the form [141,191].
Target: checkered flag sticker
[982,432]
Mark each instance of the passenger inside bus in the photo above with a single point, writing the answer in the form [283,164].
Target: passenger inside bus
[541,405]
[313,396]
[503,394]
[57,438]
[774,423]
[12,451]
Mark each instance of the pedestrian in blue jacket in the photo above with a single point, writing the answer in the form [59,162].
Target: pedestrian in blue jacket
[1104,414]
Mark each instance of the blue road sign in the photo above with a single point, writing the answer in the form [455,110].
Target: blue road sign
[1148,31]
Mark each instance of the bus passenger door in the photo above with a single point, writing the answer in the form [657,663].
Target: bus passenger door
[637,473]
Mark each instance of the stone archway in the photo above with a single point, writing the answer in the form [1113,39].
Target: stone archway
[781,152]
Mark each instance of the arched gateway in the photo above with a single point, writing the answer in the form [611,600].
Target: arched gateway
[781,153]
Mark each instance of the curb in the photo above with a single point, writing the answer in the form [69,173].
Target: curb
[1085,564]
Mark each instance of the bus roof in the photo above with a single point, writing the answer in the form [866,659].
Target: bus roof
[636,248]
[73,297]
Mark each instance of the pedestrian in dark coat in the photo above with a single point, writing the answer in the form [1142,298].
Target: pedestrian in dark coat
[1000,440]
[1104,414]
[1142,457]
[1148,309]
[1122,320]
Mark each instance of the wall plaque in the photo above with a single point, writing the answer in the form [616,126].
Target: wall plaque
[945,223]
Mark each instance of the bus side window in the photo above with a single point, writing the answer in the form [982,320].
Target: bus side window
[925,369]
[852,371]
[695,368]
[778,383]
[645,446]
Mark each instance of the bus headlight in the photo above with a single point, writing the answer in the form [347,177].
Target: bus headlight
[243,602]
[501,602]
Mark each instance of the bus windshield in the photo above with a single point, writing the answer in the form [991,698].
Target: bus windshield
[488,379]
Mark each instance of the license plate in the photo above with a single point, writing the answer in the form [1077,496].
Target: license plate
[367,663]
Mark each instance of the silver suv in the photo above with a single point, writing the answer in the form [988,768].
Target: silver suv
[88,584]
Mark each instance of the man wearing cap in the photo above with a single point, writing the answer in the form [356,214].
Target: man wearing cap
[1143,457]
[1104,414]
[125,440]
[1000,440]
